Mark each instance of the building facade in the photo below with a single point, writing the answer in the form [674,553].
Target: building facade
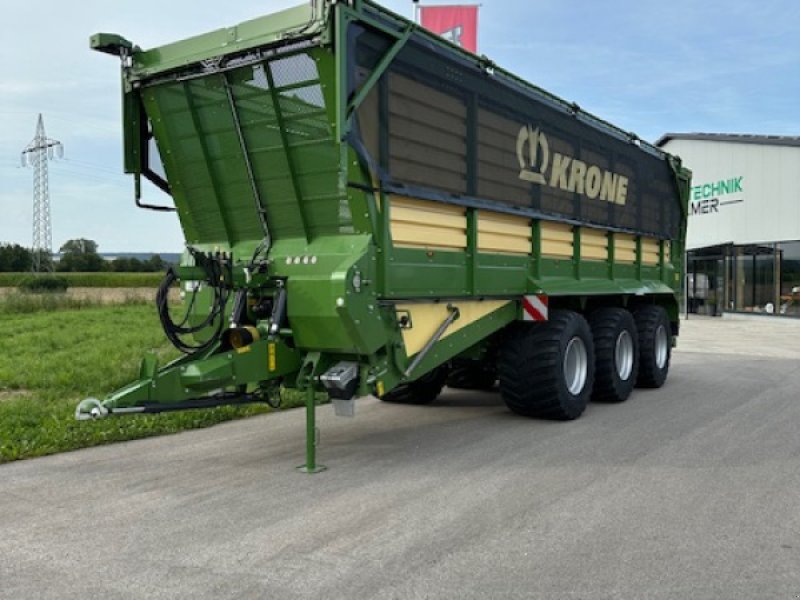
[743,239]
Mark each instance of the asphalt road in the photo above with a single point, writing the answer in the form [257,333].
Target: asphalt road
[690,491]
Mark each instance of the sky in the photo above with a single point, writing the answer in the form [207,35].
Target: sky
[648,66]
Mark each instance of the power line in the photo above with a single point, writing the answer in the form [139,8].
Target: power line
[96,177]
[94,167]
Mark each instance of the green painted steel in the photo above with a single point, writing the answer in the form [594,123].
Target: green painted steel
[280,146]
[237,142]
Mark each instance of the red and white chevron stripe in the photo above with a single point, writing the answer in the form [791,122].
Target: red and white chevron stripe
[535,307]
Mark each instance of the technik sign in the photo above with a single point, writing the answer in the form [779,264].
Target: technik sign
[707,198]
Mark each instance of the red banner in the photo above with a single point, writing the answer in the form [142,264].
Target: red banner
[458,24]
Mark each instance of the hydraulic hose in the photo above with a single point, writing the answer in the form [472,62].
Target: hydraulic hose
[215,320]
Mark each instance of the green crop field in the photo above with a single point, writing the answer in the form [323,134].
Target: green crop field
[51,360]
[101,280]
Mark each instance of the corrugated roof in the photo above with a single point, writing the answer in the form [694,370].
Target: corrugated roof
[741,138]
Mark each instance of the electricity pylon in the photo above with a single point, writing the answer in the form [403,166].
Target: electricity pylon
[36,154]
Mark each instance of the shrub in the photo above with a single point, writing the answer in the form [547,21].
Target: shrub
[44,284]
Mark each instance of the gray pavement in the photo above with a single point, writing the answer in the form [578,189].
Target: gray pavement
[690,491]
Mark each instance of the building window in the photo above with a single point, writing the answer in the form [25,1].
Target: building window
[756,289]
[757,278]
[789,254]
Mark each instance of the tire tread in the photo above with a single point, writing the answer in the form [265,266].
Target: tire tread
[647,320]
[606,324]
[529,369]
[422,391]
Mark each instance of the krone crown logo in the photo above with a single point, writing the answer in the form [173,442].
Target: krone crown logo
[533,153]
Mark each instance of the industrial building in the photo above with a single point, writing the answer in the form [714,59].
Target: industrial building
[744,222]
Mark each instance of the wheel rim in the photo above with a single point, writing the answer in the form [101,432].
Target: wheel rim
[662,346]
[623,354]
[576,363]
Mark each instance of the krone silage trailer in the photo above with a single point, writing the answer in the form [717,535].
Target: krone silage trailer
[369,209]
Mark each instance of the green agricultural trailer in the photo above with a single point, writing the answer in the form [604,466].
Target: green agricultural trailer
[369,209]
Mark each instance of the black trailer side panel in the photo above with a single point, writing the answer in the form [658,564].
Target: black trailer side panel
[441,126]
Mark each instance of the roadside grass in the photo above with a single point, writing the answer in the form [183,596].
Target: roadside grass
[107,280]
[49,361]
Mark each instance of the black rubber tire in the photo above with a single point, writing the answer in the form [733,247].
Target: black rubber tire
[530,365]
[472,375]
[422,391]
[648,321]
[608,324]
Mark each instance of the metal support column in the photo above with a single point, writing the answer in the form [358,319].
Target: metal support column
[311,465]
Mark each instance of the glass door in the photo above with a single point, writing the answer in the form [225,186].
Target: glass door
[706,285]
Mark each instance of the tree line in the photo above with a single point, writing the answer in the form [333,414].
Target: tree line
[77,256]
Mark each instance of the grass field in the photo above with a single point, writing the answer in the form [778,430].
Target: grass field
[49,361]
[102,280]
[15,302]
